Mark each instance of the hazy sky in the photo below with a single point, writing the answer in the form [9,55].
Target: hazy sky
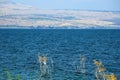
[113,5]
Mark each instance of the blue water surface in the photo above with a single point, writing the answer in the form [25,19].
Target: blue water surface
[19,52]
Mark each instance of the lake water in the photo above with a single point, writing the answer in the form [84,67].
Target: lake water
[19,52]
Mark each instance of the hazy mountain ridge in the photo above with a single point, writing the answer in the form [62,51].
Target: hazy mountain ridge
[26,16]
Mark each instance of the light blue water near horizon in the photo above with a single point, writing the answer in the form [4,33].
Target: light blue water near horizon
[19,51]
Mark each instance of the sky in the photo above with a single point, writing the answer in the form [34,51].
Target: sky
[109,5]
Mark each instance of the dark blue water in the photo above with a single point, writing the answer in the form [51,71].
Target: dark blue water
[19,52]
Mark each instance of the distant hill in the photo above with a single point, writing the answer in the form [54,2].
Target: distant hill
[24,16]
